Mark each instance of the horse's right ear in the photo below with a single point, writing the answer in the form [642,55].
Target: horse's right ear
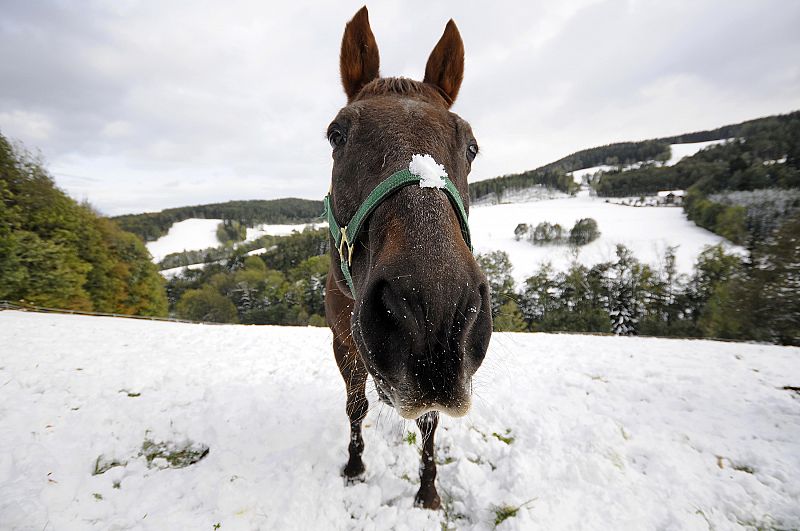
[359,60]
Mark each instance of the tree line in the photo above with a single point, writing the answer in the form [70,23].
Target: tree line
[620,154]
[765,155]
[152,225]
[584,231]
[57,253]
[726,296]
[285,285]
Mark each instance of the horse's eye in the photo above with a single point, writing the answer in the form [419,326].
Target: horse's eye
[472,151]
[336,138]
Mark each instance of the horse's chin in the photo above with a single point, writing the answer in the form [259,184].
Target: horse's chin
[414,412]
[411,409]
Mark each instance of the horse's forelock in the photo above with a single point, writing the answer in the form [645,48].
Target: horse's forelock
[402,86]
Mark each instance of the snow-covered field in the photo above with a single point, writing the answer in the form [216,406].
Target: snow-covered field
[646,231]
[187,235]
[600,433]
[679,151]
[578,175]
[195,234]
[279,230]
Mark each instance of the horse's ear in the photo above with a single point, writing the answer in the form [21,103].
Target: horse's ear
[359,60]
[445,67]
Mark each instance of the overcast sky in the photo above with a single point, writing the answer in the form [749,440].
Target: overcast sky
[139,106]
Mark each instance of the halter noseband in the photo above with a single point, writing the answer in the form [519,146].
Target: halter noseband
[345,237]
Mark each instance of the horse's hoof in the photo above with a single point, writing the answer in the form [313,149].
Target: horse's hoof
[429,499]
[354,474]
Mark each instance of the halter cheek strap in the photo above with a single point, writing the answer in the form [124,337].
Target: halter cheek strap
[346,236]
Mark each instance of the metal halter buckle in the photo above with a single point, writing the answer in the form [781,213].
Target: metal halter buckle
[350,246]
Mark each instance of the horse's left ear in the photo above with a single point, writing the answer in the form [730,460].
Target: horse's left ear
[445,67]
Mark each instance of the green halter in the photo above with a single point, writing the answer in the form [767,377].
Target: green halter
[345,237]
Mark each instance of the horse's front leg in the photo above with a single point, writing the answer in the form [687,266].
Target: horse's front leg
[355,377]
[427,496]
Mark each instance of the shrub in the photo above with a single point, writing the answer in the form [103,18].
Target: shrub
[584,231]
[521,230]
[547,233]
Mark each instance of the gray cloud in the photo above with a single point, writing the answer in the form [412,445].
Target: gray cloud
[141,106]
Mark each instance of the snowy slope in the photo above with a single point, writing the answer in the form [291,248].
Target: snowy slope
[279,230]
[646,231]
[578,175]
[195,234]
[608,433]
[679,151]
[187,235]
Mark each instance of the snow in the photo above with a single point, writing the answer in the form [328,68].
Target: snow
[174,271]
[524,195]
[187,235]
[608,433]
[432,172]
[646,231]
[196,234]
[679,151]
[578,175]
[253,233]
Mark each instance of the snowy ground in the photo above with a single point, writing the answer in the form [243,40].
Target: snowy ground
[279,230]
[578,175]
[679,151]
[600,433]
[646,231]
[187,235]
[195,234]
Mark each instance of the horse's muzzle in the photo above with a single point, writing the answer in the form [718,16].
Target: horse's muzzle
[422,346]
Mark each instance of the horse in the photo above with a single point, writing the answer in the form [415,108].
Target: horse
[405,299]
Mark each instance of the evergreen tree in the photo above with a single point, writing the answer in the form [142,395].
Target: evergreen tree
[497,267]
[509,318]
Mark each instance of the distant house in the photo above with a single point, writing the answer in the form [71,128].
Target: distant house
[671,197]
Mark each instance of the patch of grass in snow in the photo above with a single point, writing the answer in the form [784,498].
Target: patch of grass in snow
[792,389]
[176,455]
[103,464]
[743,468]
[116,485]
[479,461]
[451,516]
[216,526]
[97,496]
[408,478]
[410,438]
[769,525]
[504,512]
[506,438]
[736,466]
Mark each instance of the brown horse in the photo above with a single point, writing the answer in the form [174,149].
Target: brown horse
[416,313]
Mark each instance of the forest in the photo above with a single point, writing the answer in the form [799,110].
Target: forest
[57,253]
[625,153]
[727,296]
[728,184]
[284,285]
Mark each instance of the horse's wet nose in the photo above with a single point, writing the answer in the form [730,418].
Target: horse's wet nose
[429,332]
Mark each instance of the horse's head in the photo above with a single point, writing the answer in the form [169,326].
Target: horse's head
[421,317]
